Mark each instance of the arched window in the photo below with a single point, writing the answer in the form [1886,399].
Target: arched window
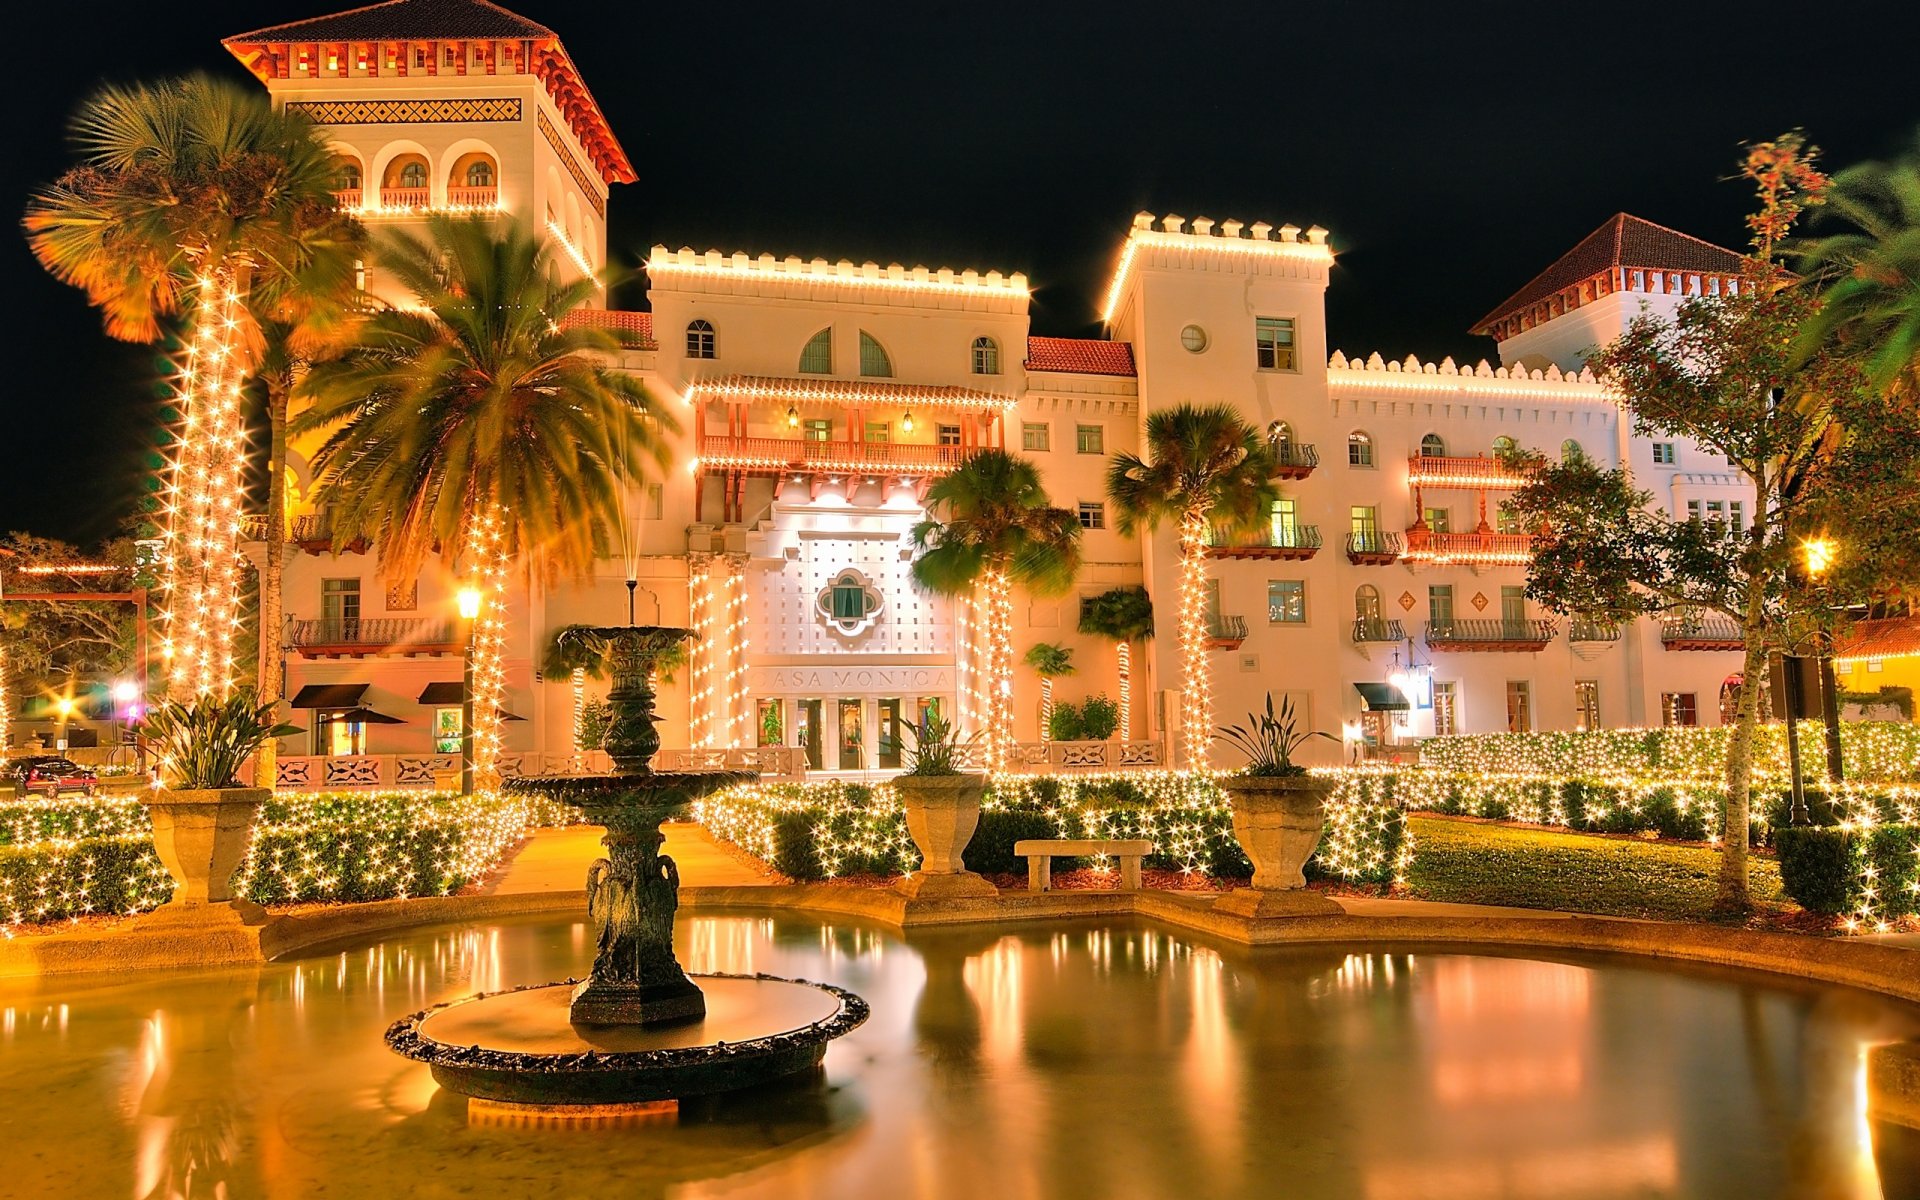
[700,340]
[480,174]
[1504,445]
[1359,449]
[873,358]
[1433,446]
[346,177]
[1279,434]
[413,175]
[1366,603]
[816,357]
[1572,451]
[986,356]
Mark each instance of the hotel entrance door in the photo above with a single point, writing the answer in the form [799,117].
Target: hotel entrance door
[853,735]
[807,732]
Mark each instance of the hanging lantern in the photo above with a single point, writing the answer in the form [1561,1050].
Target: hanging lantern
[906,422]
[793,417]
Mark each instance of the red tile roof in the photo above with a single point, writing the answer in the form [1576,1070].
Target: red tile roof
[1891,637]
[1624,241]
[1082,356]
[404,20]
[632,328]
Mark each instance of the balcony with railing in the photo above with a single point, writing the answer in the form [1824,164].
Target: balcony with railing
[360,637]
[406,197]
[1374,548]
[1482,547]
[1293,460]
[1225,633]
[473,197]
[1588,630]
[1701,633]
[1272,541]
[348,199]
[1368,630]
[1522,635]
[775,454]
[1468,474]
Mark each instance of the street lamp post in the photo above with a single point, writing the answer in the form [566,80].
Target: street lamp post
[469,601]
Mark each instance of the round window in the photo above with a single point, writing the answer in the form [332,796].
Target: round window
[1194,338]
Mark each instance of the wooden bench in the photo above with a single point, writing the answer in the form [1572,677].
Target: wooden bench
[1040,853]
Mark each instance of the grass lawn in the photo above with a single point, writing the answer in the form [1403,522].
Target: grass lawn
[1470,862]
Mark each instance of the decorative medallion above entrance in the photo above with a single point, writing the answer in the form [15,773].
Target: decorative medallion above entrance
[850,604]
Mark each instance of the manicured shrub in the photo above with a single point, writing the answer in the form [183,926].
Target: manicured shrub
[96,875]
[1099,718]
[1065,724]
[991,850]
[1819,866]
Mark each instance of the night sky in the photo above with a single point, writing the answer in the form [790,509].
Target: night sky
[1453,150]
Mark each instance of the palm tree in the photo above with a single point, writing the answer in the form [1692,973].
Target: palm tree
[1870,274]
[1049,662]
[579,653]
[196,196]
[1123,616]
[473,425]
[1206,469]
[992,528]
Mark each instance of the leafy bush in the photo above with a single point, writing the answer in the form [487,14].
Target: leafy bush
[1099,718]
[1819,866]
[991,850]
[1065,724]
[108,875]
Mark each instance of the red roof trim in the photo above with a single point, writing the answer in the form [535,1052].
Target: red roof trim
[1622,240]
[1080,356]
[632,328]
[1891,637]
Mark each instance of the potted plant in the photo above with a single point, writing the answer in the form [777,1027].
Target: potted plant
[942,804]
[202,816]
[1278,812]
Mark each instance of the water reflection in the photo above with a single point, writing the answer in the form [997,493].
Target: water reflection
[1096,1059]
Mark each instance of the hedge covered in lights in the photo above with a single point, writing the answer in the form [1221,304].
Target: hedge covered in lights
[828,829]
[1887,751]
[68,858]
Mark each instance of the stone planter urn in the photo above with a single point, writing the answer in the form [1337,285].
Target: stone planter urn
[201,836]
[1277,821]
[942,813]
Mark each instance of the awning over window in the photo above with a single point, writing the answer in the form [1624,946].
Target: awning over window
[443,695]
[367,716]
[1382,697]
[330,695]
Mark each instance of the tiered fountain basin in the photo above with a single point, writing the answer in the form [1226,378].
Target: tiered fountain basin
[637,1029]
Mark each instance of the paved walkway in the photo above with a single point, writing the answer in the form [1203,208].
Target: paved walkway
[556,860]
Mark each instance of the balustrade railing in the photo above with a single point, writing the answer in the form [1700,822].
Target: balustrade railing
[398,197]
[473,197]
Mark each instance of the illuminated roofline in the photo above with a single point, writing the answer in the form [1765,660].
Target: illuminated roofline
[792,269]
[1411,375]
[1260,240]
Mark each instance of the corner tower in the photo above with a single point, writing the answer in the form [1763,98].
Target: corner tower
[450,106]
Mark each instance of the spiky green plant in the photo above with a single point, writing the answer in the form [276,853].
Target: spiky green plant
[936,746]
[202,743]
[1269,740]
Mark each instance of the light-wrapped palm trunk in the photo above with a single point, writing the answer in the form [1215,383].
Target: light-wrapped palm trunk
[1196,677]
[488,573]
[1125,655]
[200,558]
[271,581]
[998,595]
[579,681]
[1046,708]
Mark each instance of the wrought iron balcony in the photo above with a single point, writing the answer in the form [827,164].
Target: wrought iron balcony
[1480,548]
[719,451]
[1284,541]
[1378,629]
[1226,633]
[1294,460]
[1701,633]
[1582,629]
[359,637]
[1474,633]
[1374,548]
[1469,474]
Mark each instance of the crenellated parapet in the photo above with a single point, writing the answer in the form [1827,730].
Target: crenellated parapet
[1483,379]
[1204,244]
[868,282]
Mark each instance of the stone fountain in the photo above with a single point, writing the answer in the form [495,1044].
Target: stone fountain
[638,1028]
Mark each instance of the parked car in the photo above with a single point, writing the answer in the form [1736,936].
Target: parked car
[50,775]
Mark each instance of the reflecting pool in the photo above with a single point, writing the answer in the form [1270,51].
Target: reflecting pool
[1097,1059]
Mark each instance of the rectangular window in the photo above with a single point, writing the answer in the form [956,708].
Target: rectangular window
[1287,602]
[1274,343]
[1090,439]
[1663,454]
[1693,510]
[1586,704]
[1365,520]
[340,602]
[879,431]
[446,730]
[1716,511]
[947,435]
[1285,522]
[1513,606]
[849,602]
[1440,604]
[1446,711]
[1359,450]
[1519,706]
[1093,514]
[656,501]
[1036,435]
[817,429]
[1679,708]
[1438,520]
[1738,521]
